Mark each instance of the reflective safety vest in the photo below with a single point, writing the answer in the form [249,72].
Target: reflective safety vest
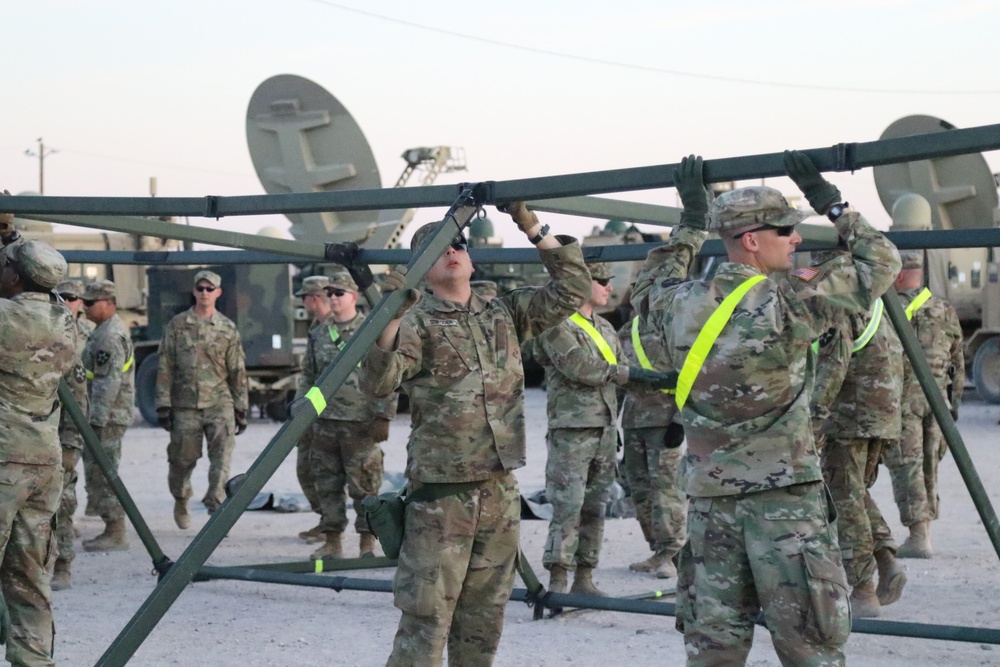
[595,335]
[917,302]
[127,365]
[706,339]
[640,353]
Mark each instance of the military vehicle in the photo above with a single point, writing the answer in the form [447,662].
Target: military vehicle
[958,192]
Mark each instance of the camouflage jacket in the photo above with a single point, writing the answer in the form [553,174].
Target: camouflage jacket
[461,366]
[201,364]
[582,386]
[940,334]
[76,380]
[110,365]
[326,338]
[38,348]
[644,407]
[747,419]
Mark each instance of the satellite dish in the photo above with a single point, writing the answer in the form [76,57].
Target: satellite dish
[961,189]
[302,139]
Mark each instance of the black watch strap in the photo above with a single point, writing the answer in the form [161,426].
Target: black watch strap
[542,233]
[837,210]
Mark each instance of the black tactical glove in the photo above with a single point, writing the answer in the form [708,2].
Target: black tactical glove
[674,436]
[4,620]
[380,430]
[690,183]
[241,421]
[396,280]
[165,418]
[655,379]
[821,193]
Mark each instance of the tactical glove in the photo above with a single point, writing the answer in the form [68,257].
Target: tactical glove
[690,183]
[821,193]
[524,218]
[655,379]
[165,418]
[380,430]
[4,620]
[674,436]
[241,421]
[6,219]
[396,280]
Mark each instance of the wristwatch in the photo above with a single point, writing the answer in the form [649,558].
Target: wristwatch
[542,233]
[837,210]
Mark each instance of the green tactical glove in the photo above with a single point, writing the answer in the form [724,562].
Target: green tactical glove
[524,218]
[4,621]
[241,421]
[165,418]
[655,379]
[690,183]
[6,219]
[821,193]
[396,280]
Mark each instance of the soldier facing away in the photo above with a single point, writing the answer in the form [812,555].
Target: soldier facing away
[110,367]
[458,357]
[201,391]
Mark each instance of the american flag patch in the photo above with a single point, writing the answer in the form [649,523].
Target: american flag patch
[806,273]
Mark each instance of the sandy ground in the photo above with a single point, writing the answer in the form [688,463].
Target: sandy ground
[223,623]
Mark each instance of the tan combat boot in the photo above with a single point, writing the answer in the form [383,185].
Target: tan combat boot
[331,548]
[61,576]
[864,601]
[367,545]
[666,569]
[181,516]
[583,583]
[558,579]
[314,534]
[918,544]
[891,577]
[651,564]
[112,539]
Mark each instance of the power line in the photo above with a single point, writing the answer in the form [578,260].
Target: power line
[649,68]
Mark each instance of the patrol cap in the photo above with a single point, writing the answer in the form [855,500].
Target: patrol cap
[342,280]
[422,233]
[210,277]
[600,271]
[753,206]
[100,290]
[70,288]
[39,261]
[314,285]
[912,259]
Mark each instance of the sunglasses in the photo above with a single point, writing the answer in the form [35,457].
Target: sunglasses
[87,303]
[204,288]
[603,282]
[780,231]
[69,298]
[460,246]
[336,291]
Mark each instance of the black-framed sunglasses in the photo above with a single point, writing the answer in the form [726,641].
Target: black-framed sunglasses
[336,291]
[780,231]
[69,298]
[603,282]
[205,288]
[87,303]
[459,244]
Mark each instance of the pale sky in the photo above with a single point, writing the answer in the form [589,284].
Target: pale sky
[128,90]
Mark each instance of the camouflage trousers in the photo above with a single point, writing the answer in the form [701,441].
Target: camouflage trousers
[67,505]
[344,454]
[774,550]
[850,468]
[29,498]
[913,468]
[218,427]
[455,574]
[304,471]
[579,472]
[100,495]
[653,474]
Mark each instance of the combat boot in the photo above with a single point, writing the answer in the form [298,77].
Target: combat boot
[583,583]
[314,534]
[331,548]
[61,576]
[666,569]
[367,545]
[891,577]
[918,544]
[181,516]
[864,601]
[651,564]
[112,539]
[558,579]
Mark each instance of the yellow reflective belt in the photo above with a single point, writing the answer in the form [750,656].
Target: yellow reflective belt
[872,327]
[335,337]
[595,335]
[706,339]
[315,397]
[918,301]
[640,353]
[128,365]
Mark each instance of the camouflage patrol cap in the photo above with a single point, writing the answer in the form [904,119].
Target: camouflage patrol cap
[314,285]
[39,261]
[912,259]
[211,277]
[70,288]
[342,280]
[100,290]
[600,271]
[421,234]
[753,206]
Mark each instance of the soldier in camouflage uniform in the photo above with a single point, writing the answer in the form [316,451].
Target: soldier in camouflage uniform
[201,390]
[458,357]
[580,357]
[110,368]
[344,448]
[913,461]
[38,347]
[653,436]
[761,531]
[71,292]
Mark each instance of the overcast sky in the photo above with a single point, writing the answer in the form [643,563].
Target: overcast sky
[128,90]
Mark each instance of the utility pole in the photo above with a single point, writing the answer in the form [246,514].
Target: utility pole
[42,152]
